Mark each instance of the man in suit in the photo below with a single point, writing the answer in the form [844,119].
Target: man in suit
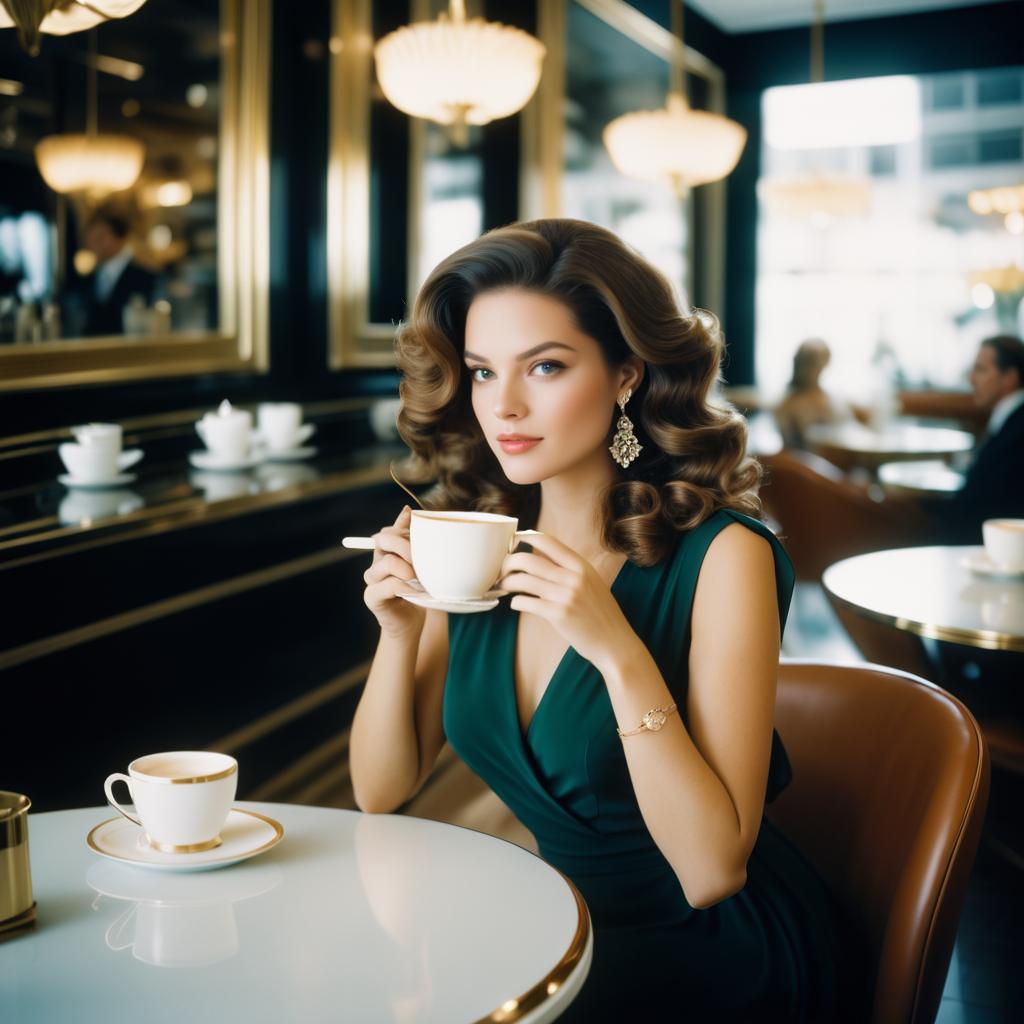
[116,277]
[994,486]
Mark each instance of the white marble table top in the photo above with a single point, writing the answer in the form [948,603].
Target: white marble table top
[351,917]
[930,478]
[899,440]
[929,591]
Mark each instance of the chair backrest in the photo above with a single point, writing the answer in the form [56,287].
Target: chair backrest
[824,517]
[890,784]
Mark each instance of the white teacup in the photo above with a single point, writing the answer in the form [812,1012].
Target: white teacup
[90,462]
[280,425]
[182,798]
[457,556]
[107,436]
[1004,542]
[227,432]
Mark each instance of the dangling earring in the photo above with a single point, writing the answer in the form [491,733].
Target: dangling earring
[625,447]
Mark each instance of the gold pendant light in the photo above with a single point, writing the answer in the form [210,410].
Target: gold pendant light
[818,196]
[59,17]
[90,164]
[459,72]
[679,145]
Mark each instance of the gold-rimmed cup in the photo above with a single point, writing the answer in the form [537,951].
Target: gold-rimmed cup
[182,798]
[16,906]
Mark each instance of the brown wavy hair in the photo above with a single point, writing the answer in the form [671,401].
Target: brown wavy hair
[694,458]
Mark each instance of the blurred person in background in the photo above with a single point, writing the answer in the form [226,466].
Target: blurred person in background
[994,485]
[117,277]
[806,402]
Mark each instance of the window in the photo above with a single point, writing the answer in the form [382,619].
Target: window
[903,264]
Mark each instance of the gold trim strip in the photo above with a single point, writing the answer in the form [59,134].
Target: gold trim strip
[171,606]
[138,773]
[198,512]
[986,639]
[516,1009]
[210,844]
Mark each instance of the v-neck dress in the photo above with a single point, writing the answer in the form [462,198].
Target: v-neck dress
[771,951]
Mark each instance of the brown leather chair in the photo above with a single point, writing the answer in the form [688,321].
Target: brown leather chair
[890,784]
[824,517]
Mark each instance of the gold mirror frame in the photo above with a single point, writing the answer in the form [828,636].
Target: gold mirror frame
[543,127]
[243,246]
[355,341]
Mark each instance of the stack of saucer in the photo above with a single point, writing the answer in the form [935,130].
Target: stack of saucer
[95,459]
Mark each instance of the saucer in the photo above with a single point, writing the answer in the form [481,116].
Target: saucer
[205,459]
[289,454]
[979,562]
[483,604]
[108,481]
[244,835]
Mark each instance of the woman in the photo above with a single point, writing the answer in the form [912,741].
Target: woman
[806,402]
[650,587]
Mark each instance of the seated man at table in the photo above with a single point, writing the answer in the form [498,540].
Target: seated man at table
[994,486]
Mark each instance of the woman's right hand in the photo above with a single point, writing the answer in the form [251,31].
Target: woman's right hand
[388,577]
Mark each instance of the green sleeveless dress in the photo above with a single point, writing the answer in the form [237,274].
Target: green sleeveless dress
[770,952]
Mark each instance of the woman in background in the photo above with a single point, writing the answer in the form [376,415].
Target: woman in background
[806,402]
[622,702]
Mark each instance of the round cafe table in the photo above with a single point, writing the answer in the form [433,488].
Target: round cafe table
[920,478]
[851,444]
[928,591]
[351,917]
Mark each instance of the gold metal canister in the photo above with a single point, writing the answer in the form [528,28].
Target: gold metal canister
[16,906]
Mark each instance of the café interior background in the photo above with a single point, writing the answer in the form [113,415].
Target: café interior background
[286,212]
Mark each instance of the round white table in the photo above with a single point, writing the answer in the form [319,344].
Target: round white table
[928,591]
[853,444]
[351,917]
[920,478]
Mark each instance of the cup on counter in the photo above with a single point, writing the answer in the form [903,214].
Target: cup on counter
[1004,543]
[458,555]
[227,432]
[182,798]
[280,426]
[96,453]
[17,908]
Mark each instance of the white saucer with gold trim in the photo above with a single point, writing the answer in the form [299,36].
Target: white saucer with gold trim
[456,606]
[978,561]
[245,834]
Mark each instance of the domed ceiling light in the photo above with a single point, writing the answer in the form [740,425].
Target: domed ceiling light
[90,163]
[59,17]
[681,146]
[818,196]
[459,72]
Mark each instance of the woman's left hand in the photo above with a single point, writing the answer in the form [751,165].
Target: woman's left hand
[563,588]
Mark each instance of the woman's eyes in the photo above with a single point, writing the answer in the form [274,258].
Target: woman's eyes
[474,370]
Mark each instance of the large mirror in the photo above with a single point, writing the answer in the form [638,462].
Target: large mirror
[100,282]
[614,60]
[402,193]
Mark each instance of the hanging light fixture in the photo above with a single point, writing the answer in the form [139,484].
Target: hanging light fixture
[91,164]
[459,72]
[677,144]
[818,196]
[59,17]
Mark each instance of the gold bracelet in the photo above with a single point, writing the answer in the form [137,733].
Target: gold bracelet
[652,721]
